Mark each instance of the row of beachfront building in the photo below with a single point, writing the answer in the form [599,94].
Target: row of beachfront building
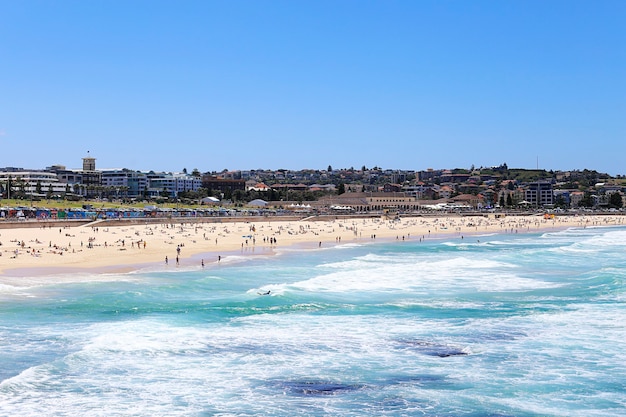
[90,182]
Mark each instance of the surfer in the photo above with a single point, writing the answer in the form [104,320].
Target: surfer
[264,293]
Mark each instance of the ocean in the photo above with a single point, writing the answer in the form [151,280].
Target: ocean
[490,325]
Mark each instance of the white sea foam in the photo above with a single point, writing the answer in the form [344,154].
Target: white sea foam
[370,274]
[12,289]
[348,246]
[485,235]
[46,286]
[593,243]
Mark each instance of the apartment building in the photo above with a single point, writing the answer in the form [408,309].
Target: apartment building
[540,193]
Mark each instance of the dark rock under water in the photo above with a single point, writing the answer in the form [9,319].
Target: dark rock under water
[315,388]
[433,349]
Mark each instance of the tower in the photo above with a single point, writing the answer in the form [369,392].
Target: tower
[89,163]
[91,178]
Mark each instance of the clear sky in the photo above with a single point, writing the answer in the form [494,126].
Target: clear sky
[268,84]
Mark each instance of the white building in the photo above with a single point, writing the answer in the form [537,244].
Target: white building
[33,183]
[171,184]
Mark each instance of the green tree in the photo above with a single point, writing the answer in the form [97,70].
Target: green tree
[239,195]
[615,200]
[509,200]
[273,195]
[21,185]
[9,187]
[560,202]
[586,201]
[341,188]
[38,187]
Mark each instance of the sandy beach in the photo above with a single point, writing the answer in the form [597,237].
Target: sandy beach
[49,250]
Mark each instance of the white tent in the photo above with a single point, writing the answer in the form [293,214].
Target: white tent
[209,200]
[258,203]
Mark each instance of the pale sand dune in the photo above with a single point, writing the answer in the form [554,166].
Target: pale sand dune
[48,251]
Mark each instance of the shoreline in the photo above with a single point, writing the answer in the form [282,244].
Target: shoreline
[102,248]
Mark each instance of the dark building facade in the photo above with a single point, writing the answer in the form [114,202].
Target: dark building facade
[540,193]
[222,185]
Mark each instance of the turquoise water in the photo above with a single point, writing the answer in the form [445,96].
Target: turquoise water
[500,325]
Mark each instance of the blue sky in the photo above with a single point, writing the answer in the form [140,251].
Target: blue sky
[231,84]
